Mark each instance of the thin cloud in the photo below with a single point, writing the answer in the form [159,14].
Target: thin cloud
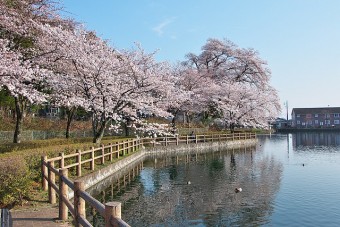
[159,29]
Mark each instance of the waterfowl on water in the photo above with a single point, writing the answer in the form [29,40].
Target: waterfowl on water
[188,182]
[237,190]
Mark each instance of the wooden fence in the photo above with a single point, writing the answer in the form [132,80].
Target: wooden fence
[60,166]
[187,139]
[5,218]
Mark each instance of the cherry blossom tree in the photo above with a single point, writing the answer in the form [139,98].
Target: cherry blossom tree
[241,93]
[242,105]
[45,57]
[20,78]
[21,73]
[190,92]
[113,85]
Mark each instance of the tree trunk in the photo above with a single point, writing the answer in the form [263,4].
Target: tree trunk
[232,127]
[173,121]
[99,132]
[99,135]
[20,104]
[188,119]
[70,114]
[127,127]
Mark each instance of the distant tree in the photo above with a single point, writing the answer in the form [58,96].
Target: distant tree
[238,89]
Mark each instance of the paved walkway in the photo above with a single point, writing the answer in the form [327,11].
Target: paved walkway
[38,217]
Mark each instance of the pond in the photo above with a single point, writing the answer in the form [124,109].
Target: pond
[286,180]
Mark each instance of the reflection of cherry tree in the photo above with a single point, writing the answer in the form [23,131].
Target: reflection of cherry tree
[210,199]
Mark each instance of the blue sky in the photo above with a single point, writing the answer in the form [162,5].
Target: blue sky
[300,39]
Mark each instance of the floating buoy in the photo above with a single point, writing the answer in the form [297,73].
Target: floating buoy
[237,190]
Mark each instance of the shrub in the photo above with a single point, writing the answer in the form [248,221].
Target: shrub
[14,181]
[20,164]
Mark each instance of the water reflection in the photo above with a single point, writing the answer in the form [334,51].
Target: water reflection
[199,189]
[313,139]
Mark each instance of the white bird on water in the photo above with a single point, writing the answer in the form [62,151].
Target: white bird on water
[237,190]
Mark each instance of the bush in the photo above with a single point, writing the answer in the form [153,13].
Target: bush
[14,181]
[31,151]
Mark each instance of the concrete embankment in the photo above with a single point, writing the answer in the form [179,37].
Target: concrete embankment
[199,147]
[97,177]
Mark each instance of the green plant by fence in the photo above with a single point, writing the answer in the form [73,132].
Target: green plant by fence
[60,166]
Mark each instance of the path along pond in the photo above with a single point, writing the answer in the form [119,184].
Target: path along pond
[286,180]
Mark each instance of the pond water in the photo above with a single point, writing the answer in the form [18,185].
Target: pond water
[286,180]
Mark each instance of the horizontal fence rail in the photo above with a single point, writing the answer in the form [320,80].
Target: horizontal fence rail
[187,139]
[63,165]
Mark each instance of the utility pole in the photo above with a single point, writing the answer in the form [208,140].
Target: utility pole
[287,110]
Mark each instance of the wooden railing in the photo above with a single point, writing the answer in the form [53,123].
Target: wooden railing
[111,211]
[187,139]
[59,166]
[5,218]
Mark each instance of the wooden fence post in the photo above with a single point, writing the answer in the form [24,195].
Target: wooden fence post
[112,211]
[124,147]
[117,150]
[44,173]
[140,143]
[136,144]
[132,146]
[110,156]
[79,203]
[51,180]
[62,160]
[92,159]
[63,209]
[79,163]
[127,145]
[103,155]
